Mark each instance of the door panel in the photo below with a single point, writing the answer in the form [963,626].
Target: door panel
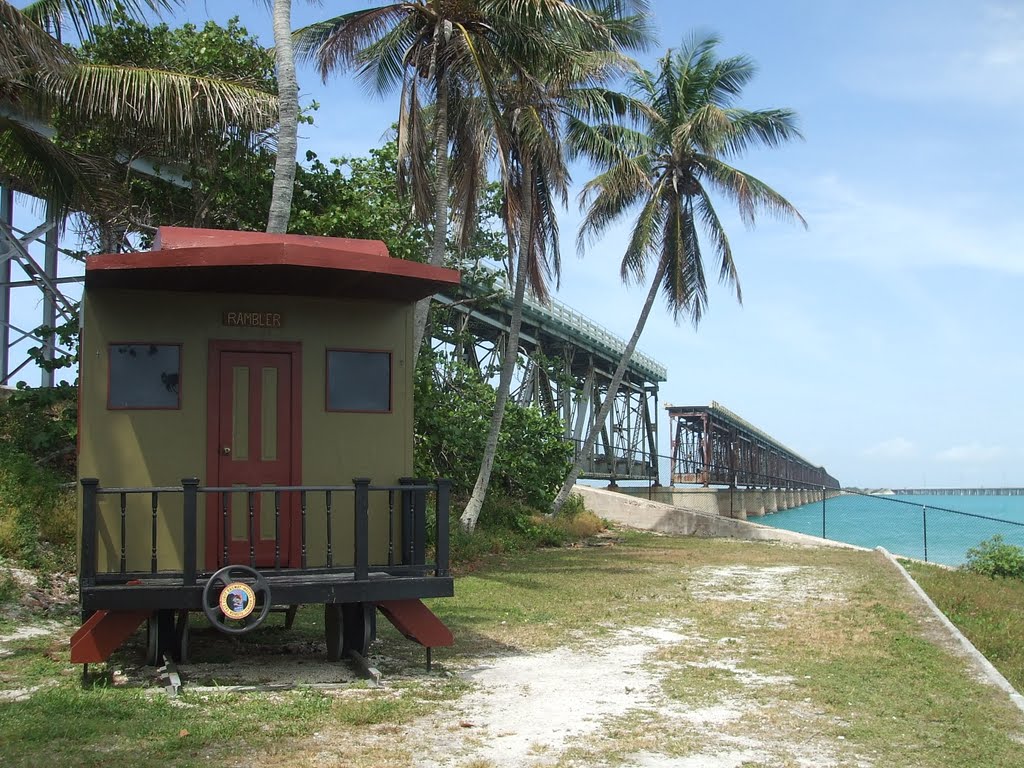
[254,448]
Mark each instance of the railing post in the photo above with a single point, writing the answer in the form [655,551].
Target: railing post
[87,564]
[190,489]
[362,527]
[408,533]
[444,491]
[823,511]
[419,512]
[924,521]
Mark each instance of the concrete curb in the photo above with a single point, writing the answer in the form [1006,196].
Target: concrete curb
[984,667]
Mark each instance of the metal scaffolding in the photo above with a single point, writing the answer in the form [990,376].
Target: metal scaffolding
[711,445]
[28,328]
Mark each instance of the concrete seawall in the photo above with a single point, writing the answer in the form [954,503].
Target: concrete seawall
[628,510]
[736,504]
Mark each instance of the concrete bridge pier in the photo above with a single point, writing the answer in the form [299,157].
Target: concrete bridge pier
[754,502]
[730,504]
[771,504]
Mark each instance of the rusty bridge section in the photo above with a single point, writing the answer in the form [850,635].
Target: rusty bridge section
[711,445]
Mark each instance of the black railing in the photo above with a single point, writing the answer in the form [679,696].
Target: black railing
[406,549]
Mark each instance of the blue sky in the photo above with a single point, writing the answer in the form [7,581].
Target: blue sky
[882,342]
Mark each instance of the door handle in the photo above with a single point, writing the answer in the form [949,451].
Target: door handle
[226,450]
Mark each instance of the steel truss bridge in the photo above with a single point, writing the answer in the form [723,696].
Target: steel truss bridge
[711,445]
[565,366]
[565,359]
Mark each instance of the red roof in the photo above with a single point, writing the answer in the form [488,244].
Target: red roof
[224,261]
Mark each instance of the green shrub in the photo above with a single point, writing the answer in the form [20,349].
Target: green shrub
[507,526]
[995,558]
[453,416]
[42,424]
[38,428]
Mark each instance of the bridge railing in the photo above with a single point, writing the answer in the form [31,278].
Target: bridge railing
[583,326]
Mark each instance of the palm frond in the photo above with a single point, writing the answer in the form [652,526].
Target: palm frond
[25,48]
[749,193]
[168,102]
[684,286]
[335,43]
[610,195]
[31,163]
[82,15]
[414,153]
[764,127]
[727,272]
[647,232]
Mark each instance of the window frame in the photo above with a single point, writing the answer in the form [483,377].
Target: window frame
[327,380]
[181,378]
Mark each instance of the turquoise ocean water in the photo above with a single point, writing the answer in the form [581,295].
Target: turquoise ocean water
[949,525]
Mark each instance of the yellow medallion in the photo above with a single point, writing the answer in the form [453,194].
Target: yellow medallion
[237,600]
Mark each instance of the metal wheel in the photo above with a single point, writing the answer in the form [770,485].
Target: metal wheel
[348,627]
[236,599]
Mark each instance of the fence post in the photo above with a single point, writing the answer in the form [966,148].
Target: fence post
[444,490]
[823,513]
[190,489]
[87,565]
[362,527]
[924,521]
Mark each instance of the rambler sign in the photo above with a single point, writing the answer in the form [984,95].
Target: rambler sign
[253,319]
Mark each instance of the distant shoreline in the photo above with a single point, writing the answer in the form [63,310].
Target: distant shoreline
[944,491]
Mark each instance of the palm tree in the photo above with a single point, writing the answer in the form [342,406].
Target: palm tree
[449,54]
[288,109]
[668,167]
[543,111]
[40,78]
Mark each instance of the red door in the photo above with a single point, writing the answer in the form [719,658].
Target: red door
[254,445]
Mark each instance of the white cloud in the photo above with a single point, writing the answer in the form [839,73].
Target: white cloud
[971,453]
[894,448]
[852,224]
[967,55]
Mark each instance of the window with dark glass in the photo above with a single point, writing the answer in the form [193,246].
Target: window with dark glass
[145,376]
[358,380]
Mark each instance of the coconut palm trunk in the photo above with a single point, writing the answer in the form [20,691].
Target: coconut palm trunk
[287,137]
[471,513]
[609,398]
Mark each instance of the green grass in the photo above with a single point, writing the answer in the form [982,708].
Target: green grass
[63,723]
[857,674]
[989,611]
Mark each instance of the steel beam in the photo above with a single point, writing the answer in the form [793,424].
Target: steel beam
[6,249]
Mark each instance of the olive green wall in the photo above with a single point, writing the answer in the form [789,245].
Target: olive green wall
[160,447]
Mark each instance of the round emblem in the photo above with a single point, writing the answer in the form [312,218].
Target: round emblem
[237,600]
